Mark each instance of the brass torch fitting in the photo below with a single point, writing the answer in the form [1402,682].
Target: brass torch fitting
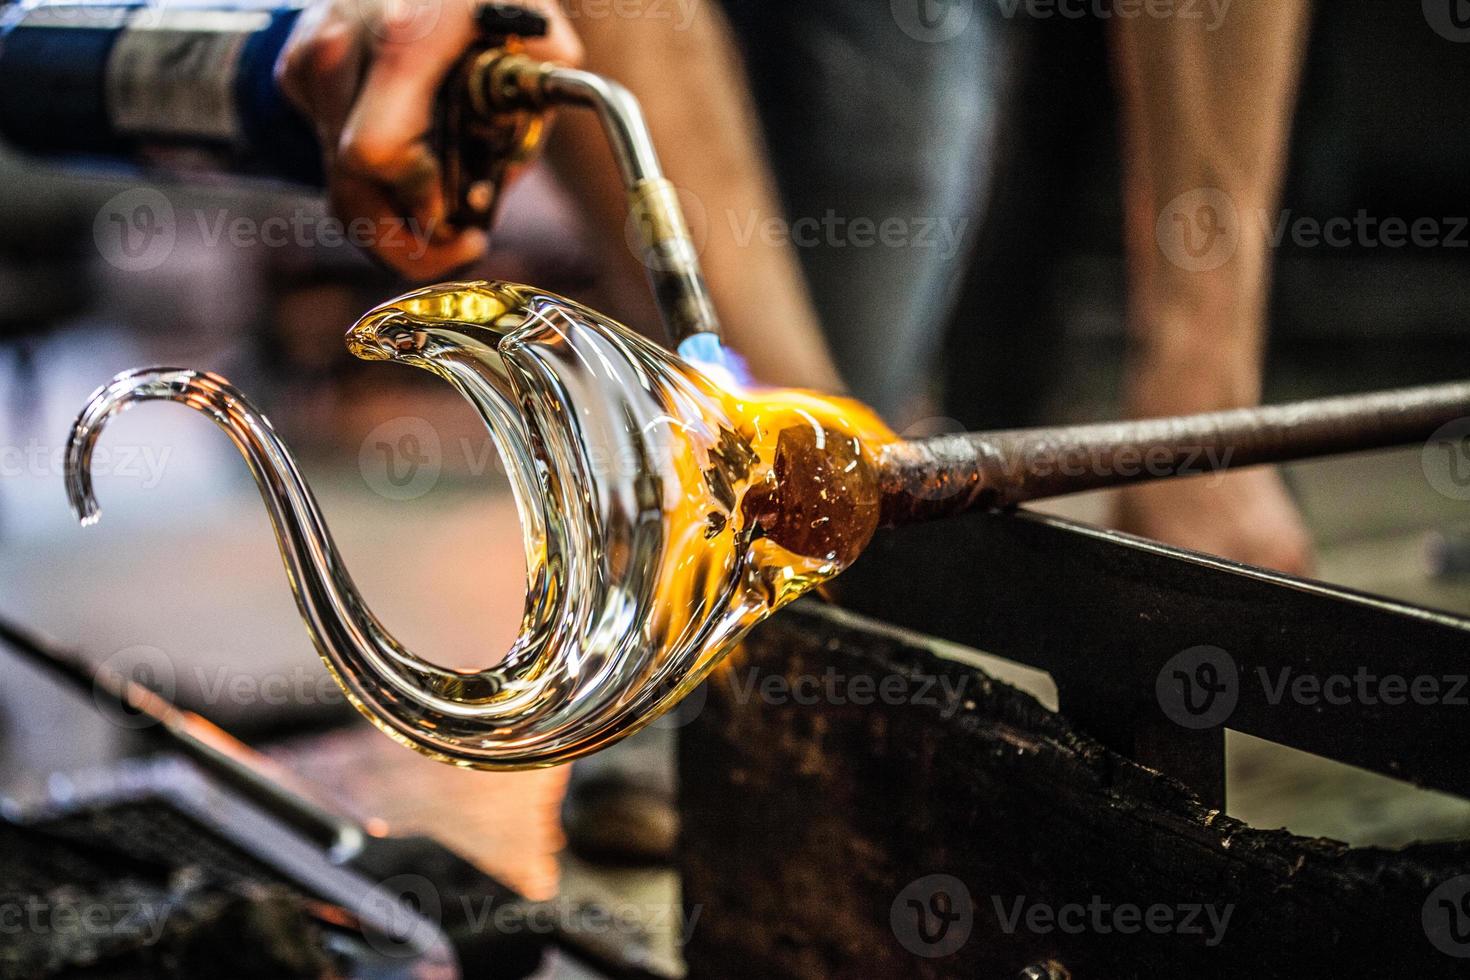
[502,81]
[669,254]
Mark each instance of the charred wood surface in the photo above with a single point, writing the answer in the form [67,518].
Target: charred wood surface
[812,827]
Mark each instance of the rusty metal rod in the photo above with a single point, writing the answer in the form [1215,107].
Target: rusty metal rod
[925,479]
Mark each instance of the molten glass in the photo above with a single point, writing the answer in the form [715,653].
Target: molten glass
[664,515]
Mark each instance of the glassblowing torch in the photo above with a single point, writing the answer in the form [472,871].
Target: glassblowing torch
[193,88]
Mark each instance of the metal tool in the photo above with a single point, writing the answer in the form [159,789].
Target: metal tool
[501,80]
[929,478]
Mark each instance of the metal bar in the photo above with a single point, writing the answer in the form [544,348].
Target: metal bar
[930,478]
[254,775]
[1106,614]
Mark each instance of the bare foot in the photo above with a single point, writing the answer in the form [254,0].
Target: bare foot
[1247,517]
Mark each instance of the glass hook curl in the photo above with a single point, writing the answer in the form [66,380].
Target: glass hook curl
[663,516]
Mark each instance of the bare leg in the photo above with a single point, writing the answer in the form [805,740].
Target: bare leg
[1206,120]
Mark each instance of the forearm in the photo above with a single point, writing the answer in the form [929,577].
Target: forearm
[693,92]
[1206,120]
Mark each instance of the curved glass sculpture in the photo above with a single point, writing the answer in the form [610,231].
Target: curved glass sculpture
[663,513]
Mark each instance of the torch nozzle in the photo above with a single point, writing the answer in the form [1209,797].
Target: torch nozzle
[507,82]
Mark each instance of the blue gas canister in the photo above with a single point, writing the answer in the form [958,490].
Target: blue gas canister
[147,83]
[190,86]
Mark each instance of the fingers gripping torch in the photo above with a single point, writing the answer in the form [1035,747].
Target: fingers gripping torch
[193,87]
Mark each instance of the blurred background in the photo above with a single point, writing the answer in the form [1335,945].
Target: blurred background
[182,576]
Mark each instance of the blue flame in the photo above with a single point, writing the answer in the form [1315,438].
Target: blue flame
[705,352]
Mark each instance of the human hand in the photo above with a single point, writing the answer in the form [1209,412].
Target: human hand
[366,74]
